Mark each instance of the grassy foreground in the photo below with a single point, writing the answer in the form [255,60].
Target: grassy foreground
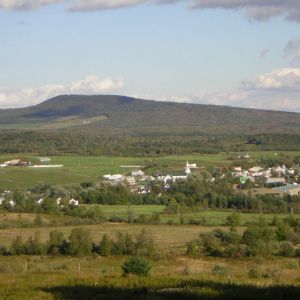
[171,278]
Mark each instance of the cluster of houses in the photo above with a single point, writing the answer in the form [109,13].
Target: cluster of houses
[59,201]
[72,202]
[281,179]
[138,181]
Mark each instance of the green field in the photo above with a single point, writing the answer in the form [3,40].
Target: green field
[165,236]
[212,217]
[91,168]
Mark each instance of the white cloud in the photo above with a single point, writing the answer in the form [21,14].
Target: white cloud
[30,96]
[276,90]
[259,10]
[92,5]
[25,4]
[280,79]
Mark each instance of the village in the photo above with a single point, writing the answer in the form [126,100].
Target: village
[276,180]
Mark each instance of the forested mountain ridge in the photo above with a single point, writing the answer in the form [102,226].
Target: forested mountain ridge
[117,125]
[124,112]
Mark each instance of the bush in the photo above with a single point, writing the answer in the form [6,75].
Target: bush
[233,220]
[254,273]
[105,246]
[219,270]
[80,242]
[136,266]
[287,249]
[273,272]
[194,248]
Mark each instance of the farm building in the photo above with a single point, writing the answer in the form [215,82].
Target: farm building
[292,190]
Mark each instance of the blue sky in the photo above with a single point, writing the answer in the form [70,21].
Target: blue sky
[243,55]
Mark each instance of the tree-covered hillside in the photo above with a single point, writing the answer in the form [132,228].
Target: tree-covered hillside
[128,126]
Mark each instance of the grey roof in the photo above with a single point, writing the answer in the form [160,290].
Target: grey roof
[288,188]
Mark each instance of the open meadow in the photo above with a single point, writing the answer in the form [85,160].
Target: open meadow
[95,277]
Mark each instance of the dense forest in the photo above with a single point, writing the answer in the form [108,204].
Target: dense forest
[125,144]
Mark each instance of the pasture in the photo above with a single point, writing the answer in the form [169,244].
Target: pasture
[91,168]
[78,169]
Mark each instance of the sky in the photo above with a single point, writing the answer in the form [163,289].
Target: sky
[243,53]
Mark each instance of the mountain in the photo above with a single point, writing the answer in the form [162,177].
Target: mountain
[77,112]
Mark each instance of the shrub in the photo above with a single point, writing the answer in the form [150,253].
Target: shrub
[219,270]
[17,246]
[287,249]
[193,248]
[136,266]
[233,220]
[80,242]
[254,273]
[105,246]
[38,221]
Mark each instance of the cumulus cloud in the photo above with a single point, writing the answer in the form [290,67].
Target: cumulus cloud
[280,79]
[26,4]
[292,52]
[30,96]
[77,5]
[276,90]
[260,10]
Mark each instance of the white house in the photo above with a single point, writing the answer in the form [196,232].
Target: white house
[131,180]
[74,202]
[12,203]
[137,173]
[44,159]
[116,177]
[58,201]
[191,166]
[255,171]
[40,201]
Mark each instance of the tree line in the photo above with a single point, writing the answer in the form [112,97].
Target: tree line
[80,243]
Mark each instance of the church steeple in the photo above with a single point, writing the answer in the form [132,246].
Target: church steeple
[187,168]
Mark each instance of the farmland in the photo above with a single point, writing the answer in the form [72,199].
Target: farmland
[91,168]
